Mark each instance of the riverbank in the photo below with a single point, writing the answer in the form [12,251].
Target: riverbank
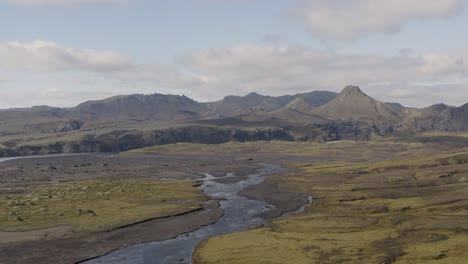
[84,246]
[411,210]
[349,195]
[64,179]
[51,206]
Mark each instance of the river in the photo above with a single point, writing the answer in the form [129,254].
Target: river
[240,214]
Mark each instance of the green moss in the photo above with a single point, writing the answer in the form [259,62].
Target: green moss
[91,206]
[373,212]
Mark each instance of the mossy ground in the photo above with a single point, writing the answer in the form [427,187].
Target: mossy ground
[91,206]
[346,150]
[411,210]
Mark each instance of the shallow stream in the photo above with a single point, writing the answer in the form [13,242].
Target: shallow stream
[240,214]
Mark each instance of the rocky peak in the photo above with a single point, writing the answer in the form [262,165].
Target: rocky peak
[254,94]
[352,91]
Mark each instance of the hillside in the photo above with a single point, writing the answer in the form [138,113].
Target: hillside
[460,118]
[38,119]
[435,117]
[353,104]
[254,102]
[299,111]
[142,107]
[134,121]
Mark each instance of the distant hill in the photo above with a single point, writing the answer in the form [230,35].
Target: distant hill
[299,111]
[38,119]
[143,107]
[436,117]
[300,105]
[318,115]
[254,102]
[459,118]
[396,106]
[353,104]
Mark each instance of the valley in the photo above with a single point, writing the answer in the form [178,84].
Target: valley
[132,176]
[233,132]
[130,122]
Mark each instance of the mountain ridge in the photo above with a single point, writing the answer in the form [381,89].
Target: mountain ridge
[313,108]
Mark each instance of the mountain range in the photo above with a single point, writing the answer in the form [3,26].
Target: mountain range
[315,116]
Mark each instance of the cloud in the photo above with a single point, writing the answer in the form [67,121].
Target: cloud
[48,56]
[285,70]
[65,74]
[66,2]
[54,93]
[49,73]
[351,19]
[420,95]
[274,68]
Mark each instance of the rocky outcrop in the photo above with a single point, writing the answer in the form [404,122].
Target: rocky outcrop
[118,141]
[123,140]
[106,125]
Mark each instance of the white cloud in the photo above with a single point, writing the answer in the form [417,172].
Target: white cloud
[276,68]
[62,74]
[48,56]
[350,19]
[66,2]
[54,93]
[418,95]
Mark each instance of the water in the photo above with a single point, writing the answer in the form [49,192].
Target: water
[41,156]
[240,214]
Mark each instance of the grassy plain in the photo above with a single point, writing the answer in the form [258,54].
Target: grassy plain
[384,148]
[96,205]
[408,204]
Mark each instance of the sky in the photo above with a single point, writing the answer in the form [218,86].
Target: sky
[63,52]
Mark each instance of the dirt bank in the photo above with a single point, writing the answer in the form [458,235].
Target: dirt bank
[285,201]
[75,249]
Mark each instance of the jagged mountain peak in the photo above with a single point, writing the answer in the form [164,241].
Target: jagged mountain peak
[351,90]
[354,104]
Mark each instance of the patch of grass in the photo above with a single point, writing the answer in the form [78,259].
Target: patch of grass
[411,210]
[91,206]
[346,150]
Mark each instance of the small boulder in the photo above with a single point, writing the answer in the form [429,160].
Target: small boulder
[86,212]
[18,203]
[19,219]
[441,256]
[91,213]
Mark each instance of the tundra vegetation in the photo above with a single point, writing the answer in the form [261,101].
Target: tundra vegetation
[409,207]
[96,205]
[401,199]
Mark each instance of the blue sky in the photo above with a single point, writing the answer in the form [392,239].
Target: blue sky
[146,30]
[62,52]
